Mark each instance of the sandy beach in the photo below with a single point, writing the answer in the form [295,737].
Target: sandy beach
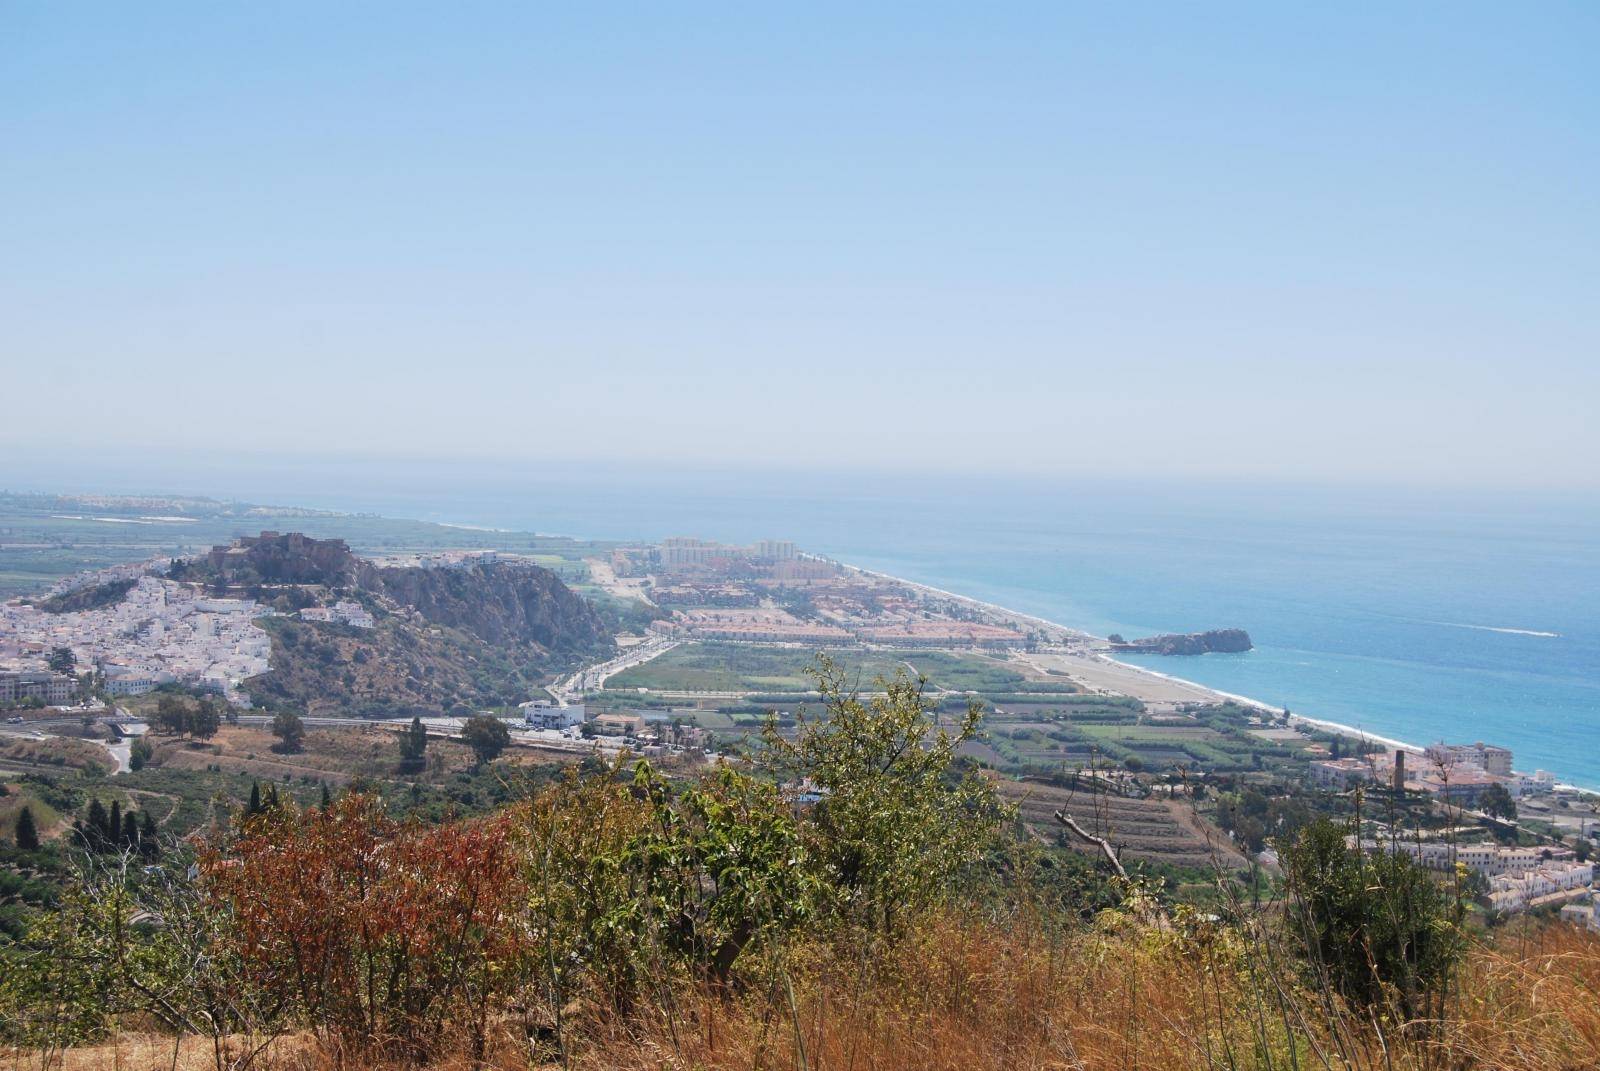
[1086,662]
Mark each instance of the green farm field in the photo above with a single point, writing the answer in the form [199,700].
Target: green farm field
[732,667]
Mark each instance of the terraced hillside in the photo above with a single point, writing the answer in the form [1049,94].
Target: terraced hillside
[1156,830]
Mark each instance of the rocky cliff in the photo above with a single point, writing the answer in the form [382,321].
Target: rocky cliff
[502,603]
[1218,641]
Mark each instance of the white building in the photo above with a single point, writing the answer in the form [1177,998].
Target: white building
[543,714]
[130,685]
[1583,913]
[1514,892]
[1489,859]
[1486,757]
[1340,774]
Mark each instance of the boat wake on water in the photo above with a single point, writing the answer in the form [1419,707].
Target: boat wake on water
[1495,628]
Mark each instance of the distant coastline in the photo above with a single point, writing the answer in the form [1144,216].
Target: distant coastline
[1338,728]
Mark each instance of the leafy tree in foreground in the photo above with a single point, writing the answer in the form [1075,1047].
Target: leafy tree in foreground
[486,736]
[896,823]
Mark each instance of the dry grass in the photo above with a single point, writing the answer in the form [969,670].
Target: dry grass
[56,751]
[335,755]
[974,996]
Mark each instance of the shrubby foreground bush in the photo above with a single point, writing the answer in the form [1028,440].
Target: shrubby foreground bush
[618,920]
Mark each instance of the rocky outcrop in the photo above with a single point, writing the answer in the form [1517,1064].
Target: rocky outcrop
[1216,641]
[501,603]
[96,597]
[274,558]
[441,639]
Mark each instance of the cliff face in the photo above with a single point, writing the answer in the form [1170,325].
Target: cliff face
[400,666]
[1218,641]
[500,603]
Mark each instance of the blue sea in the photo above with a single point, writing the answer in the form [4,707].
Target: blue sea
[1416,615]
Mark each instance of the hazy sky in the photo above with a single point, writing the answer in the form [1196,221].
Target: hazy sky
[1276,240]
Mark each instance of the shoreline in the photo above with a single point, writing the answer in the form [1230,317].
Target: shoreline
[1334,727]
[995,609]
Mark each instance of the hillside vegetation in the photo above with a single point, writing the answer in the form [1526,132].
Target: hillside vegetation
[890,918]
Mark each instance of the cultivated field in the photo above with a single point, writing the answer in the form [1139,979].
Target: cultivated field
[1156,830]
[746,668]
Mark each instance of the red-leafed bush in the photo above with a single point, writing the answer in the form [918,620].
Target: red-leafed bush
[384,934]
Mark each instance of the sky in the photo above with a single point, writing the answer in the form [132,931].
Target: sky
[1246,241]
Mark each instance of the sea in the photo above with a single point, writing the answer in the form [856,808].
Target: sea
[1413,614]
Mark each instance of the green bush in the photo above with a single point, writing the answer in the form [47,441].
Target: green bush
[1374,926]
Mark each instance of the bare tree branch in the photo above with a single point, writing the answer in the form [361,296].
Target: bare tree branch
[1099,842]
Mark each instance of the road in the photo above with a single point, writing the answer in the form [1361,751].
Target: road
[593,678]
[39,728]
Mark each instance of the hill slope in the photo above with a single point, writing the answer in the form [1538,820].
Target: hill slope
[442,639]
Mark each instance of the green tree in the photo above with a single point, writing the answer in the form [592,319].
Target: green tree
[290,731]
[27,831]
[62,660]
[414,746]
[896,822]
[130,831]
[96,828]
[1375,926]
[172,715]
[486,736]
[205,719]
[254,806]
[1497,802]
[140,754]
[149,839]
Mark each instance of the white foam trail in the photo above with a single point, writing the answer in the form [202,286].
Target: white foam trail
[471,527]
[1492,628]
